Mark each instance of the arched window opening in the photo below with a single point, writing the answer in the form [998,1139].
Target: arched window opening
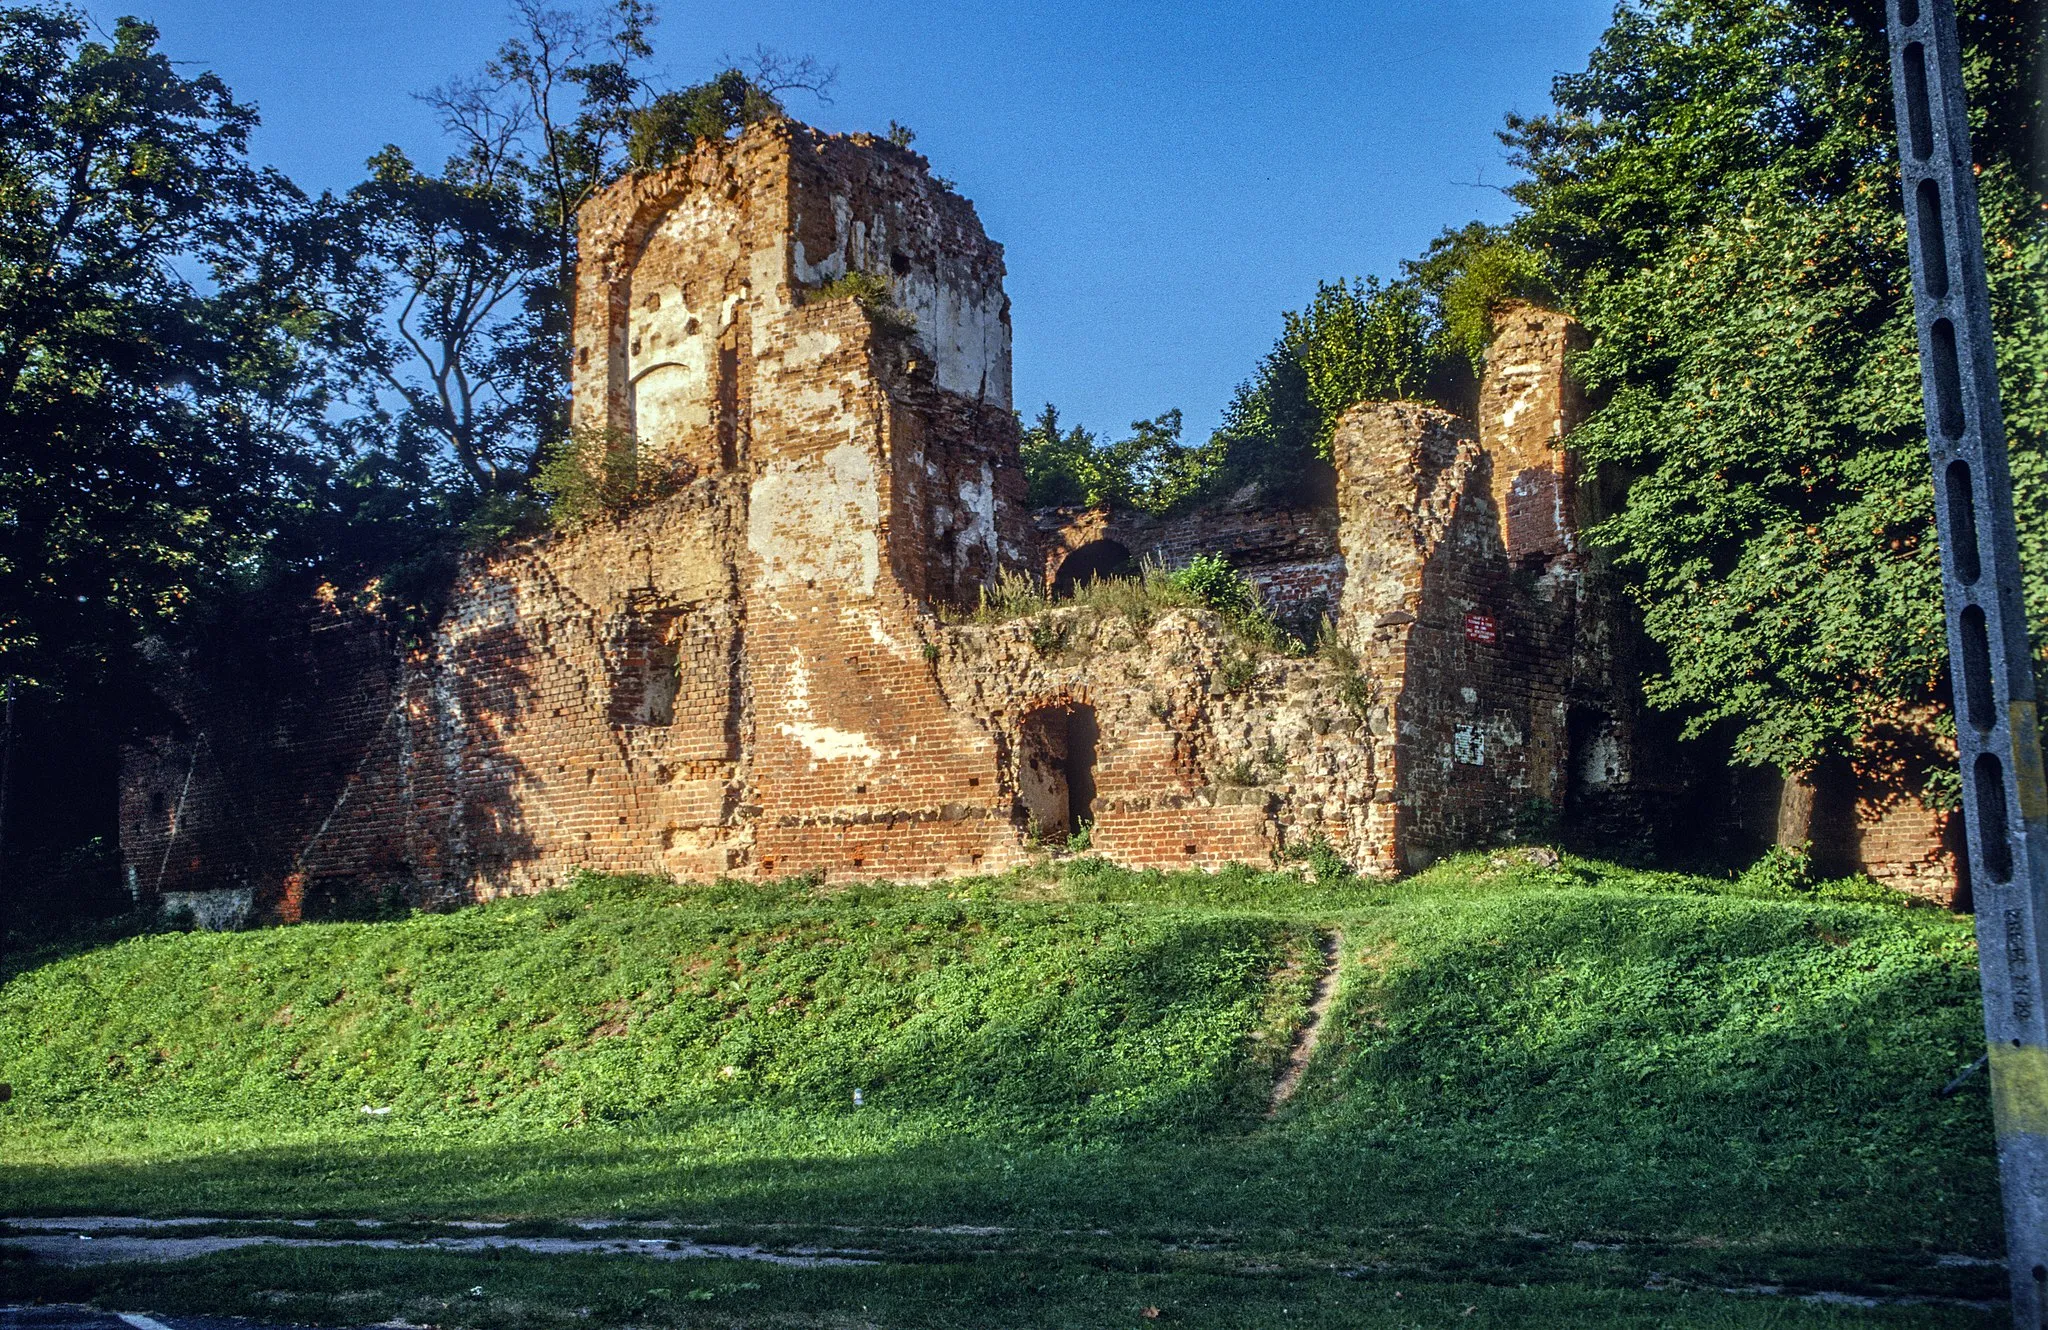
[1091,562]
[1056,770]
[1594,752]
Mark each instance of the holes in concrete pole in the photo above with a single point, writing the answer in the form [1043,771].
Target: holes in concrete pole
[1919,114]
[1909,13]
[1977,699]
[1933,244]
[1994,846]
[1091,562]
[1056,770]
[1948,379]
[1962,525]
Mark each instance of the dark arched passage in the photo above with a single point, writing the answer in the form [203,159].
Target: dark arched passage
[1096,559]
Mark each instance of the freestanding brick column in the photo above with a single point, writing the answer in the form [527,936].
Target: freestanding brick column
[1466,597]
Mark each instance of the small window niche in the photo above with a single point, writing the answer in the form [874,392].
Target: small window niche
[644,664]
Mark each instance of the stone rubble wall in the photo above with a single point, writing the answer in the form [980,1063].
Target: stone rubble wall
[1289,554]
[1210,750]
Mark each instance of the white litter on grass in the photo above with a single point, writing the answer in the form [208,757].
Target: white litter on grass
[141,1322]
[375,1112]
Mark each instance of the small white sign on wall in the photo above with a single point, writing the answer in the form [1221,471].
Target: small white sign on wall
[220,910]
[1468,745]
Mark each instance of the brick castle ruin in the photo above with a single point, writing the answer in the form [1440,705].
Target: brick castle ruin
[768,670]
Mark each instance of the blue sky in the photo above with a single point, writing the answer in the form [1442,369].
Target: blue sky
[1165,178]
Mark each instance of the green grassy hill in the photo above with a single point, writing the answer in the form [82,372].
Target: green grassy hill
[1580,1052]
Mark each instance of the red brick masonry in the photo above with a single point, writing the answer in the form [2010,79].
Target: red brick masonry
[757,674]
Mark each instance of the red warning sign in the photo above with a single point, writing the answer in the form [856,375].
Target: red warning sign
[1481,628]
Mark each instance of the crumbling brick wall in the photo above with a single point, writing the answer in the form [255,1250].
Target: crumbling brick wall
[1414,517]
[763,669]
[254,791]
[1289,554]
[727,679]
[1501,656]
[753,674]
[1873,814]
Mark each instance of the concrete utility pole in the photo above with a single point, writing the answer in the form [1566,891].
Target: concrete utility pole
[2005,801]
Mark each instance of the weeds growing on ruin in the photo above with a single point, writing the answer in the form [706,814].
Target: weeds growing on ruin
[1237,672]
[595,473]
[1326,863]
[1207,582]
[1048,635]
[1240,773]
[873,293]
[1354,686]
[1012,597]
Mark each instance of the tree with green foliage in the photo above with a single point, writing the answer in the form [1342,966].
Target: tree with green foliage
[453,290]
[1467,276]
[1362,341]
[1062,465]
[150,390]
[1717,197]
[1353,342]
[674,122]
[1152,470]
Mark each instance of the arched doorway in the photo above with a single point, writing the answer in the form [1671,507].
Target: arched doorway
[1097,559]
[1056,769]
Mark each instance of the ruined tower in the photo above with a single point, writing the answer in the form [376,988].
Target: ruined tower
[767,662]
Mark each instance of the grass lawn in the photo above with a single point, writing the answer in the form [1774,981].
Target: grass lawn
[1539,1089]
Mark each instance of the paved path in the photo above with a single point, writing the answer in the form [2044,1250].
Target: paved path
[67,1317]
[88,1241]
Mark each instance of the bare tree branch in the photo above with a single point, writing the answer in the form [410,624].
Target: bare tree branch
[775,73]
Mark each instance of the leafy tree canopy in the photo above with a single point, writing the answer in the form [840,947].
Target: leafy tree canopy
[1151,470]
[1717,197]
[1352,342]
[149,391]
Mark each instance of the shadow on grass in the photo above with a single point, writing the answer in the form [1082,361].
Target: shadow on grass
[1113,1285]
[24,951]
[1585,1064]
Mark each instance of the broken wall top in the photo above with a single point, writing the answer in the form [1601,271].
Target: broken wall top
[679,265]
